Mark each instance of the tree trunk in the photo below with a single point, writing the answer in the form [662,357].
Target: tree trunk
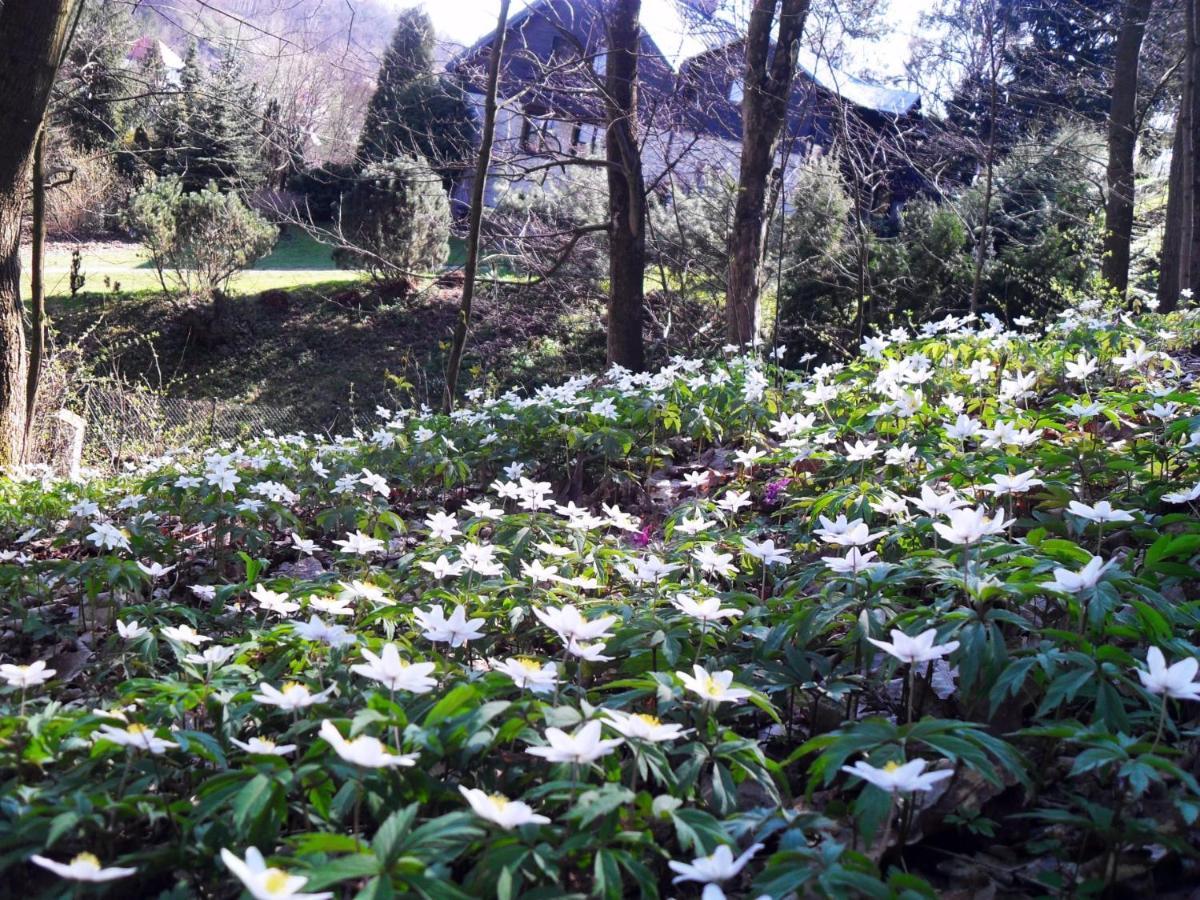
[33,36]
[1190,275]
[996,55]
[626,189]
[37,288]
[475,219]
[1122,145]
[766,90]
[1172,244]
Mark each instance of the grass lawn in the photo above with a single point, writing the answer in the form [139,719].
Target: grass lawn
[296,261]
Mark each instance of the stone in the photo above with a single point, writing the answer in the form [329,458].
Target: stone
[66,443]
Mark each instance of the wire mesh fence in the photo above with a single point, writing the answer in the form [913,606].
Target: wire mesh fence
[125,422]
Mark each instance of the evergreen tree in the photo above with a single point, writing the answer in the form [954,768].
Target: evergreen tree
[89,96]
[413,110]
[202,137]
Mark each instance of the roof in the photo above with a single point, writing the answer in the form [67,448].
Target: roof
[861,93]
[146,45]
[680,45]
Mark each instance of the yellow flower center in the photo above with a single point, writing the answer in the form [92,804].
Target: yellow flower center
[275,881]
[23,668]
[891,766]
[529,665]
[711,687]
[500,800]
[266,743]
[86,859]
[291,686]
[652,721]
[137,728]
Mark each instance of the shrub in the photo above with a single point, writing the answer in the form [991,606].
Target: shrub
[198,240]
[534,223]
[395,220]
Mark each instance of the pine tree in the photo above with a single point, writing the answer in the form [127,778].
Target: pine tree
[409,58]
[88,98]
[414,111]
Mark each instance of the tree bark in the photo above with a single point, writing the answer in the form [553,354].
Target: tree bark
[475,217]
[1190,271]
[996,55]
[37,288]
[766,90]
[1169,258]
[626,189]
[33,36]
[1122,145]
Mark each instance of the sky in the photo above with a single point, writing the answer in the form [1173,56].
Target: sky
[464,21]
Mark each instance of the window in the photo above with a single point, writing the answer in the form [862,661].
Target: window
[600,63]
[576,138]
[737,90]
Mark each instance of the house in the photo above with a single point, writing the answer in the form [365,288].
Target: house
[689,97]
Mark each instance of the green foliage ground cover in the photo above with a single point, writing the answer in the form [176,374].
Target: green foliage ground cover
[671,614]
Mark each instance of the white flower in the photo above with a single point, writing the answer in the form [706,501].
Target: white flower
[1175,681]
[853,562]
[354,590]
[442,526]
[304,545]
[590,652]
[899,779]
[26,676]
[456,630]
[969,526]
[915,649]
[396,674]
[497,808]
[842,533]
[1101,512]
[749,457]
[643,727]
[84,867]
[861,452]
[293,695]
[1085,579]
[131,630]
[185,634]
[731,501]
[264,746]
[366,751]
[213,656]
[582,747]
[327,632]
[570,625]
[483,510]
[138,736]
[717,867]
[529,673]
[267,883]
[767,552]
[706,610]
[963,428]
[274,601]
[713,688]
[360,544]
[1019,483]
[442,567]
[713,562]
[1186,496]
[155,569]
[1081,368]
[693,525]
[108,537]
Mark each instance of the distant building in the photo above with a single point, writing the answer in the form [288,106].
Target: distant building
[689,112]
